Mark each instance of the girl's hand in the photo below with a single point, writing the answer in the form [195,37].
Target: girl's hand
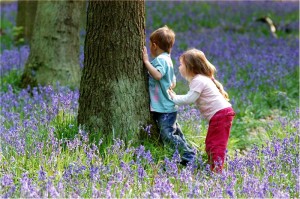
[173,85]
[145,55]
[171,93]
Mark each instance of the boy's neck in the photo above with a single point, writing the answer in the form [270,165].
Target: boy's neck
[159,51]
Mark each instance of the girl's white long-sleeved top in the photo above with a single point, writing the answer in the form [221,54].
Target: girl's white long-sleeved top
[205,94]
[189,98]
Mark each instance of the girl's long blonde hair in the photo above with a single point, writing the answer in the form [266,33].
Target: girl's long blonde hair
[196,63]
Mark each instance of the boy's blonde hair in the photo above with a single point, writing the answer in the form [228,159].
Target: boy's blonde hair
[196,63]
[163,37]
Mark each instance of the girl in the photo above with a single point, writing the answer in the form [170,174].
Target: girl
[212,100]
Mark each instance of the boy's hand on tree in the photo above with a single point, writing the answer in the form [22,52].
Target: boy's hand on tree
[145,55]
[151,69]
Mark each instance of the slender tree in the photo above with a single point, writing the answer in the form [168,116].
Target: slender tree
[114,97]
[54,49]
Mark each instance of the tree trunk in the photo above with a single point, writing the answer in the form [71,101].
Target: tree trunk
[54,53]
[25,19]
[114,98]
[83,14]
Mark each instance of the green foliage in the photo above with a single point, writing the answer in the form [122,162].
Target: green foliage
[181,87]
[11,35]
[65,126]
[17,33]
[12,78]
[6,37]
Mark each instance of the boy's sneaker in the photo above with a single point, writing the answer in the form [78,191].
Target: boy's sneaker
[186,158]
[184,162]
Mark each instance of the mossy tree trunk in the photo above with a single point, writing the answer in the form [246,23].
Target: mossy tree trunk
[114,98]
[54,48]
[83,13]
[25,19]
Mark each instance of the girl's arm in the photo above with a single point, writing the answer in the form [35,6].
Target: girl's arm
[189,98]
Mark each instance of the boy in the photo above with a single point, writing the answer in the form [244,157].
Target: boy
[161,78]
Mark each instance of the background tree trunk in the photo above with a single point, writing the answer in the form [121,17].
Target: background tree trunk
[114,98]
[83,13]
[25,18]
[54,53]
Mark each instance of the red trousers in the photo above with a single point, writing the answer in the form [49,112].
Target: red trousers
[217,137]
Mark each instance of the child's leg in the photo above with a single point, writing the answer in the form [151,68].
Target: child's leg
[217,138]
[172,134]
[188,152]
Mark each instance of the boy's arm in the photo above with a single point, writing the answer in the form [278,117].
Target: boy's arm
[152,70]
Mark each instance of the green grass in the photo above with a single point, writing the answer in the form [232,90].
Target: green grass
[12,78]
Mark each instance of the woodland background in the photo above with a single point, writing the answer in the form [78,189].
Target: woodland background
[45,153]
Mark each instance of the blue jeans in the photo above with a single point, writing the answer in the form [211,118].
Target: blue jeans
[171,134]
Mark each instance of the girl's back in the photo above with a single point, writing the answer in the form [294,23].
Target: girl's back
[210,100]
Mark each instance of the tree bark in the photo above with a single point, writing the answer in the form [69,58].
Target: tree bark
[25,18]
[114,98]
[54,53]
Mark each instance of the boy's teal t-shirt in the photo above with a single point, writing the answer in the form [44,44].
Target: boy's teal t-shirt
[160,100]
